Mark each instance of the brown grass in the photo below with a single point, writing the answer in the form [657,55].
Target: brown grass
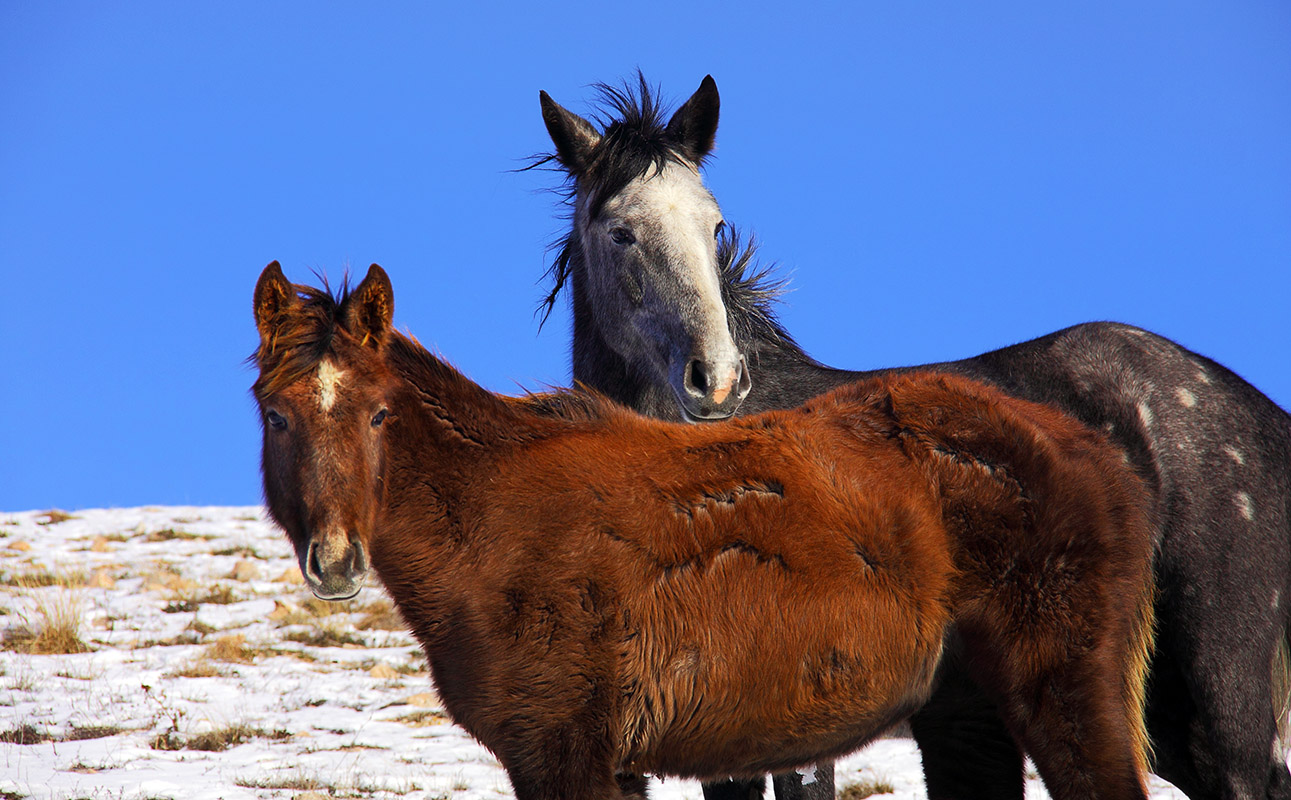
[215,741]
[201,668]
[41,579]
[78,734]
[381,615]
[53,628]
[299,783]
[865,788]
[326,636]
[423,719]
[24,734]
[231,649]
[53,517]
[219,595]
[173,534]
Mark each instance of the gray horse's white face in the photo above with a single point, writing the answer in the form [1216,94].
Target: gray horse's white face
[652,277]
[648,269]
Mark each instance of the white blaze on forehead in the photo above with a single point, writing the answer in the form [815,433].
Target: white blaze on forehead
[329,380]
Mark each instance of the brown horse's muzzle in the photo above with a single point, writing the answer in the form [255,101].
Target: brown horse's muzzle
[335,567]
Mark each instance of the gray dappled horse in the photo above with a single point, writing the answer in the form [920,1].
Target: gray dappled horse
[668,319]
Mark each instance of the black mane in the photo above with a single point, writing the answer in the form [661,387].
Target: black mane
[749,293]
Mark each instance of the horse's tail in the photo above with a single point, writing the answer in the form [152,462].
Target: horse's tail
[1142,644]
[1281,683]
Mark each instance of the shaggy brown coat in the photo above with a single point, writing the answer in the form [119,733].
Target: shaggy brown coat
[603,595]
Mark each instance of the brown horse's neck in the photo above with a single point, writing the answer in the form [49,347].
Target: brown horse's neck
[448,424]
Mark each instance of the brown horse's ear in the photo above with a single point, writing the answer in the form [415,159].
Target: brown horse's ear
[573,136]
[370,308]
[273,293]
[694,126]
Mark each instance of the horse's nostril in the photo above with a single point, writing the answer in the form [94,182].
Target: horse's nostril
[358,555]
[696,378]
[312,565]
[742,382]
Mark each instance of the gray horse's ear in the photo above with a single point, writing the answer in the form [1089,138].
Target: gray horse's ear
[573,136]
[370,308]
[694,126]
[273,294]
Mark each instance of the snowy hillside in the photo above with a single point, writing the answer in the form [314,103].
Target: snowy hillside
[208,671]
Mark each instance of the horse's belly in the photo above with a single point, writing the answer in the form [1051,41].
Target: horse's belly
[770,685]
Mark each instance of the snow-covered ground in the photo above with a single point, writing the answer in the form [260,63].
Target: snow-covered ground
[200,634]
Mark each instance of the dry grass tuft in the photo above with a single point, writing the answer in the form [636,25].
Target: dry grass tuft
[79,734]
[53,628]
[41,579]
[53,517]
[326,636]
[230,648]
[24,734]
[184,602]
[865,788]
[297,782]
[214,741]
[201,668]
[381,615]
[222,739]
[424,719]
[173,534]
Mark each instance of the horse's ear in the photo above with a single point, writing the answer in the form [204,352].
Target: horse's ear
[694,125]
[273,294]
[573,136]
[370,308]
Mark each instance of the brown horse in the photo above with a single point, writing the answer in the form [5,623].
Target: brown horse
[602,596]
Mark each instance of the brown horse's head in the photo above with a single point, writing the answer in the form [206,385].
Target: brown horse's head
[323,396]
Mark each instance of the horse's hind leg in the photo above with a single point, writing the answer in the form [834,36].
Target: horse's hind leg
[731,789]
[817,785]
[966,750]
[1228,748]
[1073,724]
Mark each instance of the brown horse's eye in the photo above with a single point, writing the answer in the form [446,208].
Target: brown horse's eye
[622,236]
[276,421]
[379,418]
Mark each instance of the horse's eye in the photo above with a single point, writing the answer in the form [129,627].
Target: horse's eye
[276,421]
[379,418]
[721,226]
[622,236]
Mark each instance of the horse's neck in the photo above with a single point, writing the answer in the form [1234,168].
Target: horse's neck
[449,421]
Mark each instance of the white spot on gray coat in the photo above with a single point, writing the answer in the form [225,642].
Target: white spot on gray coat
[1186,398]
[1245,505]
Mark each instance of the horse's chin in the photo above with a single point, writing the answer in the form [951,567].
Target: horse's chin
[688,416]
[334,593]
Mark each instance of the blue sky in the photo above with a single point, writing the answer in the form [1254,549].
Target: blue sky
[938,179]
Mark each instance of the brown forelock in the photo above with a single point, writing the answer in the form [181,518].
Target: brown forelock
[301,334]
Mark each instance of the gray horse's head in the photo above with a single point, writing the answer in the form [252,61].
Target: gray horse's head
[642,251]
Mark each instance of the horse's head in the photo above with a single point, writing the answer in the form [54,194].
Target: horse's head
[323,395]
[642,251]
